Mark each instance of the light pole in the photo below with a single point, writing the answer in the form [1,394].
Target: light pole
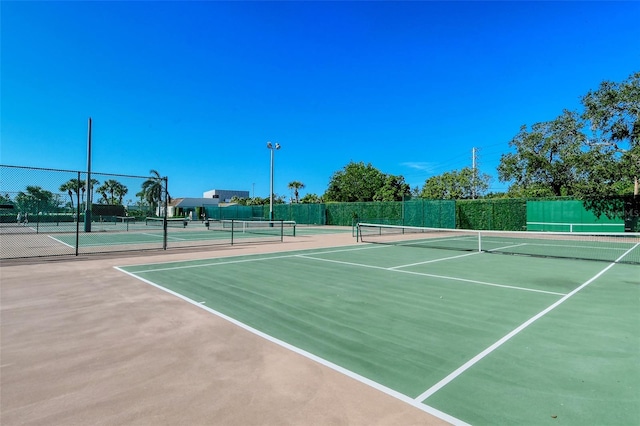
[87,213]
[271,147]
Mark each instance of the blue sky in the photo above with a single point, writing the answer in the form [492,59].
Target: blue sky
[196,89]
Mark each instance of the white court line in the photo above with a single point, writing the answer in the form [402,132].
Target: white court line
[444,277]
[255,259]
[151,235]
[506,247]
[627,252]
[433,260]
[160,236]
[395,394]
[464,367]
[60,241]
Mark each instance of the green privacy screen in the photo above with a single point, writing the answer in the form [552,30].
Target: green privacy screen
[568,216]
[417,212]
[307,214]
[236,212]
[509,214]
[504,214]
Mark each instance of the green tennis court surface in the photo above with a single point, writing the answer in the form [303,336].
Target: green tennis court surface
[151,236]
[468,336]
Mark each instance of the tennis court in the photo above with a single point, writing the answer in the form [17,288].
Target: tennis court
[152,235]
[467,336]
[65,238]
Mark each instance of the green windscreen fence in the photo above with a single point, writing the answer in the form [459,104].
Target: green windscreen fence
[418,212]
[237,212]
[568,216]
[430,213]
[305,214]
[503,214]
[345,214]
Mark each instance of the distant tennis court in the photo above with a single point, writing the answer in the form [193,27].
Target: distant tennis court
[241,232]
[468,336]
[129,234]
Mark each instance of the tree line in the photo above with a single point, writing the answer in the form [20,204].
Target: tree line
[111,192]
[592,154]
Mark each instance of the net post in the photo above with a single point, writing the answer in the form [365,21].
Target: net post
[281,230]
[479,241]
[233,227]
[358,232]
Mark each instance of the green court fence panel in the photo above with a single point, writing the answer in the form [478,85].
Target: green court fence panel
[430,213]
[632,214]
[345,214]
[568,216]
[415,212]
[305,214]
[504,214]
[301,213]
[236,212]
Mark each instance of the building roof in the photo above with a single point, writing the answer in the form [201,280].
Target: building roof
[193,202]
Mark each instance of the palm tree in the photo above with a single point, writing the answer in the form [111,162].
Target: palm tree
[295,185]
[112,189]
[120,191]
[153,188]
[103,190]
[72,186]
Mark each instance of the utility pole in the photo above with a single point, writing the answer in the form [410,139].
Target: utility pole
[473,168]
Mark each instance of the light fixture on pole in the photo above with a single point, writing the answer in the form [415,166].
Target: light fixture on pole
[271,147]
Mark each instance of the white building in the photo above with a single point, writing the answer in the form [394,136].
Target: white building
[182,206]
[225,195]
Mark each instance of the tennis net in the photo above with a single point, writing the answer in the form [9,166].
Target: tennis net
[264,229]
[611,247]
[172,223]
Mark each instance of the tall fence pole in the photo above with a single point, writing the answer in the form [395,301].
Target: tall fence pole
[166,208]
[87,213]
[78,215]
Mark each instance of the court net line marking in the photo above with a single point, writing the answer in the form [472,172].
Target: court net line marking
[435,276]
[395,394]
[433,260]
[464,367]
[453,257]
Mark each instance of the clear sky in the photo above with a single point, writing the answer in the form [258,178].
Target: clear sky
[195,90]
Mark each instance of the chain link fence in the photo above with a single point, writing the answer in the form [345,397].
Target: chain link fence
[49,212]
